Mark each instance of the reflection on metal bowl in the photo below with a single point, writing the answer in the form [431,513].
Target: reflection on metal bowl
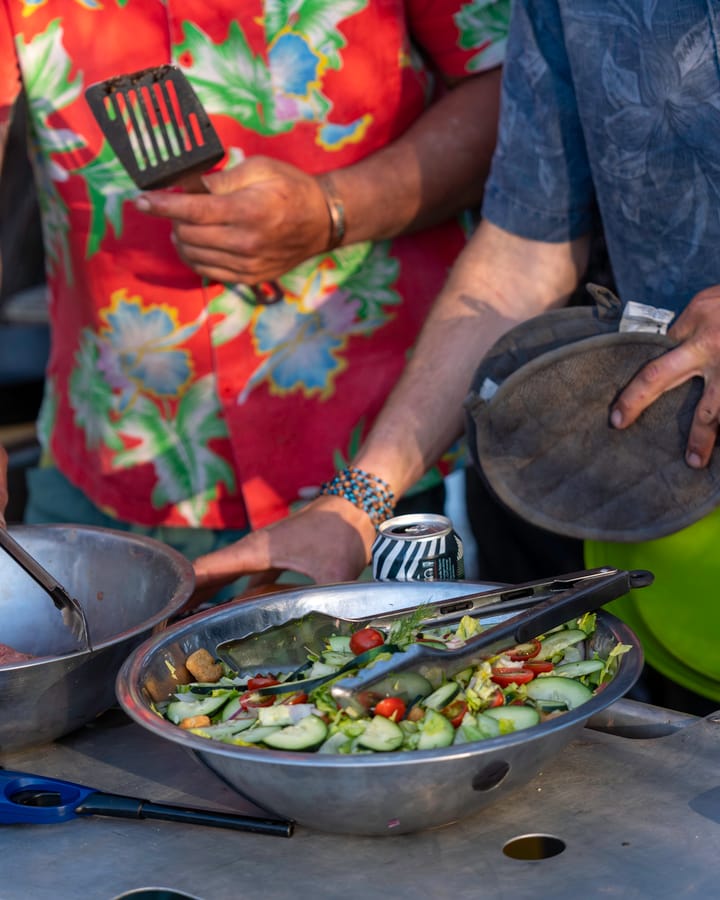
[381,793]
[128,585]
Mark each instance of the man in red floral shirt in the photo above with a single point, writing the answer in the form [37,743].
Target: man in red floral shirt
[173,400]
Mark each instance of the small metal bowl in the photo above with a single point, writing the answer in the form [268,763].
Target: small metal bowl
[128,585]
[373,794]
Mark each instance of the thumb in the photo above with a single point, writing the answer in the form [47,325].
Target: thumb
[222,182]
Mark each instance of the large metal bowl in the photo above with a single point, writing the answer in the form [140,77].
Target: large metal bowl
[383,793]
[128,585]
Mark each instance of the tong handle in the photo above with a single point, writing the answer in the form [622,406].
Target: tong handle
[600,587]
[499,599]
[57,592]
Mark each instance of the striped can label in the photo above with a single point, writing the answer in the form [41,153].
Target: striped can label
[417,548]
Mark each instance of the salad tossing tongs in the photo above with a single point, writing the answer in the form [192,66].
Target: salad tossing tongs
[72,613]
[297,633]
[425,659]
[37,799]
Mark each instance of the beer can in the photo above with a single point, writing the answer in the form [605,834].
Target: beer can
[422,547]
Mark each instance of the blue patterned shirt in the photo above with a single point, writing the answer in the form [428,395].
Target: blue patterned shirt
[614,105]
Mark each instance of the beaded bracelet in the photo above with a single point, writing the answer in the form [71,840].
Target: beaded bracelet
[336,211]
[367,492]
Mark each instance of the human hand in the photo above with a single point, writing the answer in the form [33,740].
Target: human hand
[259,220]
[329,540]
[698,330]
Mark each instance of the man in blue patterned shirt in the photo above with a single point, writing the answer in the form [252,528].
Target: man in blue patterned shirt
[609,106]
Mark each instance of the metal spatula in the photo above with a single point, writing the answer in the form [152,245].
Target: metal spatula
[161,133]
[156,125]
[518,629]
[72,613]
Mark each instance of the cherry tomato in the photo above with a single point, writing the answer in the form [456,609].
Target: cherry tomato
[497,699]
[539,665]
[525,651]
[391,708]
[261,681]
[251,699]
[300,697]
[506,676]
[455,711]
[366,639]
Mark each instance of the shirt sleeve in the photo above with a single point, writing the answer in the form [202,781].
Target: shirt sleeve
[9,72]
[540,185]
[460,38]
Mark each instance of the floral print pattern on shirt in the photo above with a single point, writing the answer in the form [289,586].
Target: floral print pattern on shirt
[170,401]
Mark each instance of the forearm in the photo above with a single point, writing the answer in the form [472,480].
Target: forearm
[436,169]
[498,281]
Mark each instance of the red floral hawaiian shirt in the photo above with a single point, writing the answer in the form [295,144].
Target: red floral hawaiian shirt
[173,402]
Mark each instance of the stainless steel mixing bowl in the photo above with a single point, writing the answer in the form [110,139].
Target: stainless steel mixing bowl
[128,586]
[383,793]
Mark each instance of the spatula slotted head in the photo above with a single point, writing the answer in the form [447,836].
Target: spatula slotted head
[156,125]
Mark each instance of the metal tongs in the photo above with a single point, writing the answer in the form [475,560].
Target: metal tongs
[72,613]
[588,595]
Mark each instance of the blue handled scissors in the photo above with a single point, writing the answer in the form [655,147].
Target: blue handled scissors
[36,799]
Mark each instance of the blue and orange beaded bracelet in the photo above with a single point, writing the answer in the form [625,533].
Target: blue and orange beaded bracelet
[366,491]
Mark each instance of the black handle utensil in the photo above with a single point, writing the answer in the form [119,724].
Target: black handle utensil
[520,628]
[313,627]
[161,133]
[36,799]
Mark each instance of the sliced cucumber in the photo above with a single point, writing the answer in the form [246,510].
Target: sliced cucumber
[231,708]
[336,743]
[181,709]
[406,685]
[381,734]
[319,669]
[308,734]
[254,735]
[340,643]
[445,694]
[283,713]
[576,669]
[333,658]
[558,689]
[224,729]
[435,731]
[558,641]
[476,728]
[488,726]
[573,654]
[517,717]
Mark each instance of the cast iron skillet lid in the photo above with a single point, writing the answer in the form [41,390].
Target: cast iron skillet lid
[544,444]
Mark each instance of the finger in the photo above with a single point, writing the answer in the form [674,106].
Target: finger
[217,260]
[654,379]
[704,429]
[200,209]
[245,557]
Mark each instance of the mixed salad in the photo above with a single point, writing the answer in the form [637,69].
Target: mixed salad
[406,711]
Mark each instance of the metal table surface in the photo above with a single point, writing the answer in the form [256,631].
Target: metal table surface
[634,808]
